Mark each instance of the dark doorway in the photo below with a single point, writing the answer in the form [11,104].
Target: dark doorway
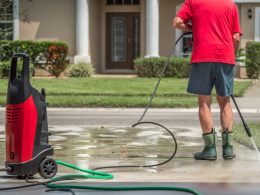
[122,40]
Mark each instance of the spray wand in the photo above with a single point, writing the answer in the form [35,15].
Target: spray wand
[247,129]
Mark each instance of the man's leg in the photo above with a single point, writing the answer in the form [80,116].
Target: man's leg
[209,151]
[205,115]
[201,82]
[226,118]
[226,113]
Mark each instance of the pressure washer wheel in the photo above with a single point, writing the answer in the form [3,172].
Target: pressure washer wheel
[48,168]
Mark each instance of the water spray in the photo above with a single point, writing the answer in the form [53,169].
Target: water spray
[247,129]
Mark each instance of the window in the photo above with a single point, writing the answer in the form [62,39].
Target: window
[123,2]
[6,19]
[118,38]
[187,43]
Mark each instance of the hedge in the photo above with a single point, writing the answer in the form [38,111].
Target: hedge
[52,55]
[253,59]
[152,67]
[5,68]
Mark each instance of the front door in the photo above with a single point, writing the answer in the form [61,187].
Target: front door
[122,40]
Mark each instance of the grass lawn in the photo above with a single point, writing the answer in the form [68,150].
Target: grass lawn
[241,136]
[116,92]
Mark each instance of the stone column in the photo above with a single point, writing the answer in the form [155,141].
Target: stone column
[16,20]
[82,31]
[152,28]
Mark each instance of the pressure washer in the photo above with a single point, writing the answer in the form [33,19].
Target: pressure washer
[27,148]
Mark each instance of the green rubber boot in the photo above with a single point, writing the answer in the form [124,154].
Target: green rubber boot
[227,147]
[209,151]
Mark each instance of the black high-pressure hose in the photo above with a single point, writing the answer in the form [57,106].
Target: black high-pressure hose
[141,122]
[5,169]
[160,78]
[24,186]
[68,188]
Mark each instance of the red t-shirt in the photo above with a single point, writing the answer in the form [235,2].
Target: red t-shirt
[213,24]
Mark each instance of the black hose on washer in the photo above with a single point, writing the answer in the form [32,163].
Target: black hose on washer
[153,123]
[160,77]
[5,169]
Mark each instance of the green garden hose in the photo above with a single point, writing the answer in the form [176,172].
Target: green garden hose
[102,175]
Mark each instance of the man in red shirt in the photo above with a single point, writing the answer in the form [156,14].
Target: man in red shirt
[216,36]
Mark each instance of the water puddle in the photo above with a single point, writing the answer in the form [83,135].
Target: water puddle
[115,146]
[96,147]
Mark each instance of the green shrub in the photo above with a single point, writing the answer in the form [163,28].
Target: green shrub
[253,59]
[5,68]
[57,55]
[152,67]
[241,55]
[51,55]
[81,69]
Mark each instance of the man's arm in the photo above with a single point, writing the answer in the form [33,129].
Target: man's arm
[236,38]
[179,24]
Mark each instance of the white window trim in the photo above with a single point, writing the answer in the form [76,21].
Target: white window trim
[257,24]
[178,33]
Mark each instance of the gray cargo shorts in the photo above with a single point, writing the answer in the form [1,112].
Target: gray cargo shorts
[205,75]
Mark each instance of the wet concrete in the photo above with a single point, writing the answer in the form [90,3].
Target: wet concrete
[94,147]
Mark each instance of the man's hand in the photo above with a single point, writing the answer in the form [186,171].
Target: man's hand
[236,38]
[179,24]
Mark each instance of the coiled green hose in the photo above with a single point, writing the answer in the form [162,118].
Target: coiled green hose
[102,175]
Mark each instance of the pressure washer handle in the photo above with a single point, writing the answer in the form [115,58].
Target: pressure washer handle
[25,67]
[247,129]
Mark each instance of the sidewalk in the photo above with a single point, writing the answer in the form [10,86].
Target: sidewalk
[251,99]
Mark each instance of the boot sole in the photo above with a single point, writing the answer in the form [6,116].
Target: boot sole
[229,157]
[207,158]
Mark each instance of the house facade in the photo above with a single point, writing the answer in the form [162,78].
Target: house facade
[110,33]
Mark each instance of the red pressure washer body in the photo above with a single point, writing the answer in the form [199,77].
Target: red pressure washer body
[26,126]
